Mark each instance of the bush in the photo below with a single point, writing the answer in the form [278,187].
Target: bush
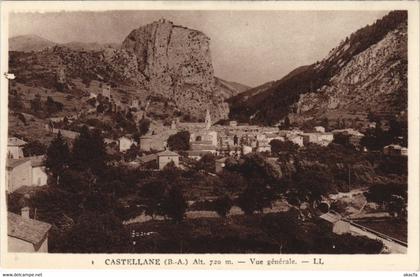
[222,205]
[174,204]
[207,163]
[179,141]
[278,146]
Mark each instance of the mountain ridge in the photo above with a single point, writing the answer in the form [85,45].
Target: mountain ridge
[32,42]
[180,71]
[274,103]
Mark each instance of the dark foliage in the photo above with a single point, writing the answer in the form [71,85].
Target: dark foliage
[207,163]
[262,183]
[144,125]
[89,150]
[34,148]
[278,146]
[382,193]
[174,204]
[58,156]
[105,232]
[271,233]
[179,141]
[52,106]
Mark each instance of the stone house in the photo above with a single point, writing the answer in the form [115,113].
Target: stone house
[25,234]
[19,174]
[146,143]
[395,150]
[338,225]
[166,157]
[204,136]
[233,123]
[296,139]
[263,147]
[39,174]
[322,139]
[319,129]
[203,146]
[15,148]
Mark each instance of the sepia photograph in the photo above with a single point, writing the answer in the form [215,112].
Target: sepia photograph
[207,132]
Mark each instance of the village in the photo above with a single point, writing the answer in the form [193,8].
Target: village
[182,145]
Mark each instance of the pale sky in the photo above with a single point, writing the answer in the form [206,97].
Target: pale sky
[249,47]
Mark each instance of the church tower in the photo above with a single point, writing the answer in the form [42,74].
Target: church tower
[208,119]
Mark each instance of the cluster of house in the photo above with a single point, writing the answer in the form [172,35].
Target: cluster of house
[115,103]
[230,140]
[24,234]
[23,171]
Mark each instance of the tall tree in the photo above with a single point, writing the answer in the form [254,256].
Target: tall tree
[207,163]
[89,150]
[144,125]
[222,205]
[36,104]
[58,156]
[179,141]
[174,204]
[287,123]
[262,183]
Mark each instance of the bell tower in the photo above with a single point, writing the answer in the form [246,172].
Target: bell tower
[208,119]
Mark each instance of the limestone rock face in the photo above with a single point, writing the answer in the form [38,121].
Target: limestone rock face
[175,62]
[375,80]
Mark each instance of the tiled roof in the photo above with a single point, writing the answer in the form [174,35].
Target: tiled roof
[330,217]
[148,158]
[12,163]
[13,141]
[29,230]
[167,153]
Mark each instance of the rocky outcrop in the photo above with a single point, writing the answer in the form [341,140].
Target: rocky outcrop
[366,72]
[175,62]
[374,80]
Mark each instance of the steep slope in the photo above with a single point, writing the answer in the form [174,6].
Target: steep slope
[376,54]
[374,80]
[228,89]
[160,60]
[28,43]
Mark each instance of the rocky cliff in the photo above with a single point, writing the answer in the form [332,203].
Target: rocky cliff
[161,59]
[374,80]
[175,62]
[366,72]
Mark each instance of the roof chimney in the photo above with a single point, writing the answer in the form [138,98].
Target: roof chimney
[25,212]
